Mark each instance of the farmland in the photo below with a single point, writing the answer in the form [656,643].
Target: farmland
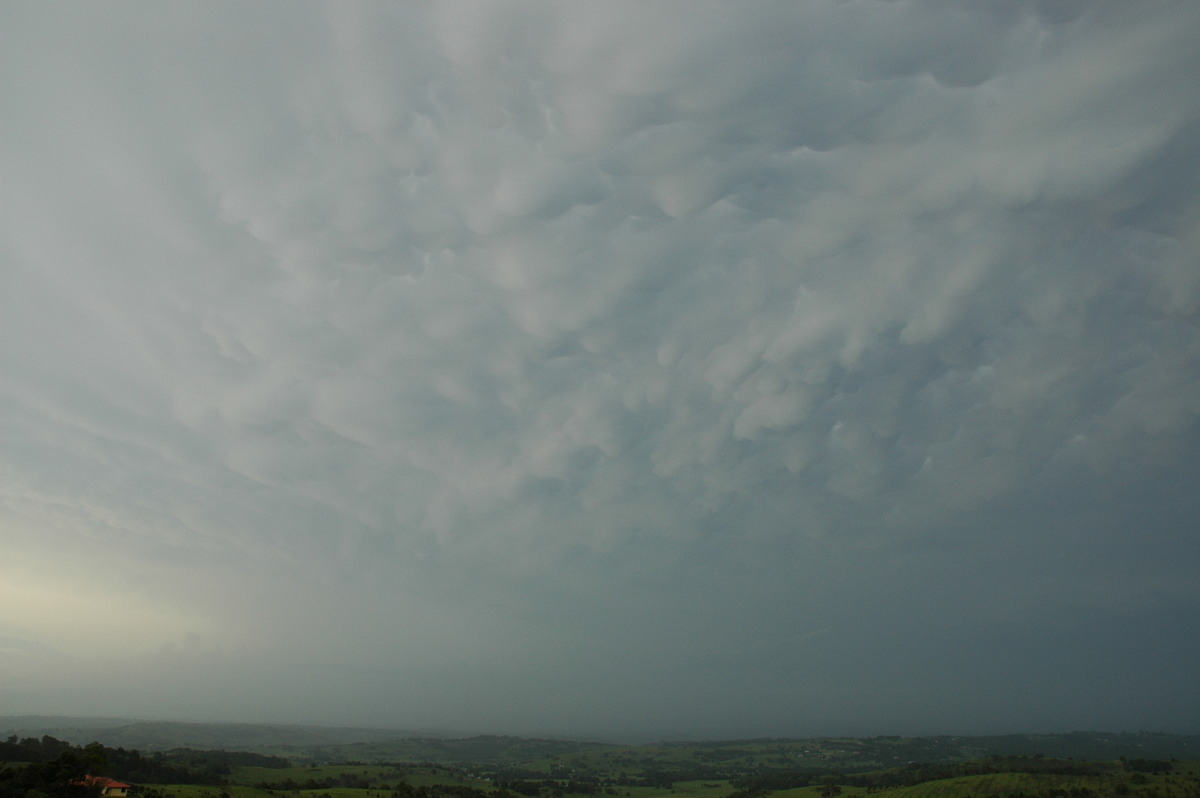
[1078,765]
[742,769]
[1179,782]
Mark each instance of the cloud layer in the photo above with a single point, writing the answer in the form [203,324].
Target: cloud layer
[720,368]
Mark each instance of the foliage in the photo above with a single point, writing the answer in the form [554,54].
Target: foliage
[1147,765]
[60,777]
[179,766]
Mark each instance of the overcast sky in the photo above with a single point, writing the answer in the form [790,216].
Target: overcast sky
[655,368]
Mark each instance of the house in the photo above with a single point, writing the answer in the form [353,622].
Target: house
[109,788]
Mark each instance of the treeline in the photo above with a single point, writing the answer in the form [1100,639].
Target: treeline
[341,780]
[183,765]
[61,777]
[178,766]
[32,749]
[1146,765]
[528,782]
[535,788]
[763,783]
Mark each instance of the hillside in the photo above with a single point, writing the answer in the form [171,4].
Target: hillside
[708,759]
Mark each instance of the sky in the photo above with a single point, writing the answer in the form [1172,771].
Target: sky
[680,369]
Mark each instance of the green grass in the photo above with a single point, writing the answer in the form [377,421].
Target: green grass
[208,791]
[1010,784]
[996,784]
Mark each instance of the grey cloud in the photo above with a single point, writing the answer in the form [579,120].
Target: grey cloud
[454,331]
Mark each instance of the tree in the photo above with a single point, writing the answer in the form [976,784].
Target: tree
[95,759]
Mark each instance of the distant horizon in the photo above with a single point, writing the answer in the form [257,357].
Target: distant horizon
[416,733]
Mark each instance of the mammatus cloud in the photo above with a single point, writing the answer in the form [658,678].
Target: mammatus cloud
[447,350]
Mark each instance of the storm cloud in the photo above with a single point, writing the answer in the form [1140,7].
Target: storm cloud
[567,367]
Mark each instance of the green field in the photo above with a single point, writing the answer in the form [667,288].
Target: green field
[509,767]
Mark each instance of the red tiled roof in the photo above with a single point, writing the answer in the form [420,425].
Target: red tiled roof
[104,782]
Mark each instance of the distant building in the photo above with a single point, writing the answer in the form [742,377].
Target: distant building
[109,788]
